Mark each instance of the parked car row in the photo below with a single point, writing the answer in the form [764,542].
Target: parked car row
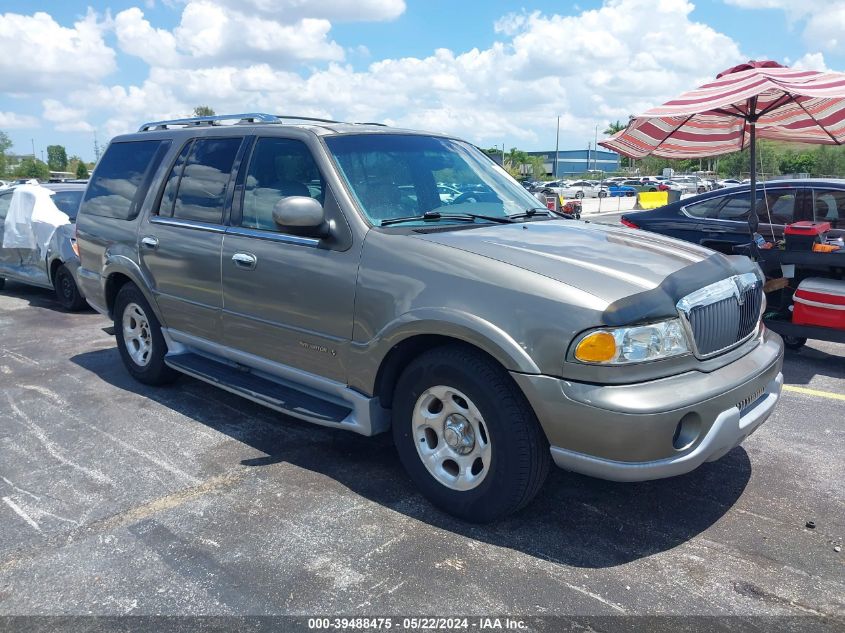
[628,186]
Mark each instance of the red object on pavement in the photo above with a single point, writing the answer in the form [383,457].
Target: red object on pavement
[820,301]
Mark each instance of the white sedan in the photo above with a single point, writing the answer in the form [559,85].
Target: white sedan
[582,189]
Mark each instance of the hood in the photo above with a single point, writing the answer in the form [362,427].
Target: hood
[611,263]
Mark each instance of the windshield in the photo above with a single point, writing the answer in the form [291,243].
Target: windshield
[406,176]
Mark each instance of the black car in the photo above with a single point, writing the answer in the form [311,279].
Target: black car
[719,219]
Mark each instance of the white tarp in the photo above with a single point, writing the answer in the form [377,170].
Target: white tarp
[32,219]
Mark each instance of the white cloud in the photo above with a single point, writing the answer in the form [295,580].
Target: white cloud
[64,118]
[597,66]
[37,54]
[137,37]
[336,10]
[13,121]
[811,61]
[210,32]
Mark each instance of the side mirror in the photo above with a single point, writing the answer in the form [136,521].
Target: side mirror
[304,215]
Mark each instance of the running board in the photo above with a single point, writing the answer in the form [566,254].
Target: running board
[280,397]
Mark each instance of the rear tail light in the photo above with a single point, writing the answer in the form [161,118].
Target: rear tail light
[628,223]
[73,244]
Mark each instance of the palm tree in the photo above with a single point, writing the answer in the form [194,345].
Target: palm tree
[613,128]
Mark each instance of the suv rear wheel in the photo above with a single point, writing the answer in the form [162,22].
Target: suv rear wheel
[466,435]
[66,290]
[139,338]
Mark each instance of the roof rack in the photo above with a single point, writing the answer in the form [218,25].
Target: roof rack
[249,117]
[306,118]
[241,119]
[316,120]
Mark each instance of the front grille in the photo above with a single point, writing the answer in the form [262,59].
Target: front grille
[743,404]
[723,314]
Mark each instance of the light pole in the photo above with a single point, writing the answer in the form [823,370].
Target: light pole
[557,148]
[596,148]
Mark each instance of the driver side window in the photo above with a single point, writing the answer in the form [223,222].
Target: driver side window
[279,167]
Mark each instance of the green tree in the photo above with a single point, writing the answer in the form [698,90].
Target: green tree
[32,168]
[5,144]
[514,160]
[81,170]
[538,167]
[204,110]
[793,163]
[56,157]
[613,128]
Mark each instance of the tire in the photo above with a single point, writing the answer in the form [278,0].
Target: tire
[602,194]
[579,194]
[794,342]
[509,456]
[143,354]
[630,194]
[67,292]
[701,190]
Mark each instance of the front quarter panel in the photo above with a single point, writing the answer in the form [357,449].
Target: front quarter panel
[409,286]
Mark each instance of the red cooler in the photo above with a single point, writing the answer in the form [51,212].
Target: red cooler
[800,236]
[820,301]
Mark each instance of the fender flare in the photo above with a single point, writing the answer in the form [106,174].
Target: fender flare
[121,264]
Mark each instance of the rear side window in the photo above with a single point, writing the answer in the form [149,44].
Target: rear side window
[736,208]
[705,209]
[113,191]
[68,202]
[5,201]
[205,177]
[779,205]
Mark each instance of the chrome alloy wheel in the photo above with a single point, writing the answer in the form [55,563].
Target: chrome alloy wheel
[136,334]
[451,438]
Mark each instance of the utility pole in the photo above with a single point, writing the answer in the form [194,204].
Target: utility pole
[96,148]
[596,148]
[557,148]
[33,148]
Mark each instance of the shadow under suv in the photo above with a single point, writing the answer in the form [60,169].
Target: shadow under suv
[313,267]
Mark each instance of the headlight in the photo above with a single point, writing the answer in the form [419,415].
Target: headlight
[642,343]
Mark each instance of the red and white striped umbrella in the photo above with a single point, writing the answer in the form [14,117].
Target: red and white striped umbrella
[804,106]
[758,99]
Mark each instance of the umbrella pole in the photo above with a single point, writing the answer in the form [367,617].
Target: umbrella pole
[753,219]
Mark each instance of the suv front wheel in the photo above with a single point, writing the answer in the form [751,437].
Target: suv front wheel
[466,435]
[139,338]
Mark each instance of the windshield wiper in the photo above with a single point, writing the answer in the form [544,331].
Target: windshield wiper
[530,213]
[433,216]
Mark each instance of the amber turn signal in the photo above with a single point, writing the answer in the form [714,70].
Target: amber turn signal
[598,347]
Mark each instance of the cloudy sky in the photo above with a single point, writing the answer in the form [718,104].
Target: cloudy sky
[490,71]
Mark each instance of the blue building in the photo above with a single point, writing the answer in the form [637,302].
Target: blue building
[578,161]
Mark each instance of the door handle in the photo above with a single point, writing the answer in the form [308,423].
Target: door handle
[245,260]
[149,242]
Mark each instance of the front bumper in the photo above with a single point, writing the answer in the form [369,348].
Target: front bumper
[659,428]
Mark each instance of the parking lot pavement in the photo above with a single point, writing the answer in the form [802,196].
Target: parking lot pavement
[119,498]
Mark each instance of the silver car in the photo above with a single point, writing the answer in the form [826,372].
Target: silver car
[56,266]
[313,267]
